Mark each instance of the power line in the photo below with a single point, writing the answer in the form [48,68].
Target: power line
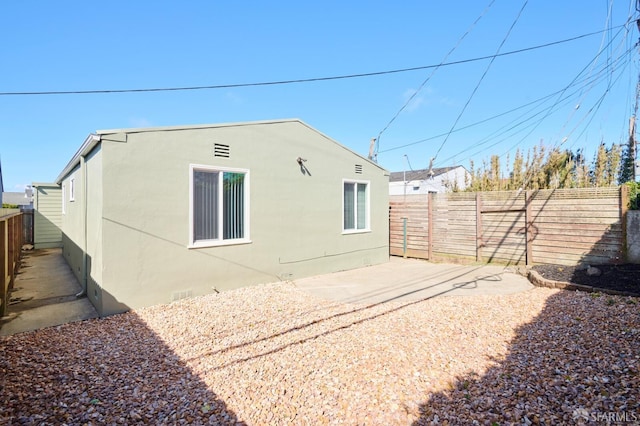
[484,12]
[586,81]
[561,101]
[464,108]
[302,80]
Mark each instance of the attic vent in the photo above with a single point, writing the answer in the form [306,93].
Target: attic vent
[221,150]
[359,169]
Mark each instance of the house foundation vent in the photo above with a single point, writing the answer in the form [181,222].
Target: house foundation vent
[221,150]
[179,295]
[359,169]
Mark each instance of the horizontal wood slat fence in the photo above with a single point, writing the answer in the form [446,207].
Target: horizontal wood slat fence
[562,226]
[10,250]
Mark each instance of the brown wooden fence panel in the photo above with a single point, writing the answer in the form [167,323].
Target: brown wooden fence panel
[410,211]
[10,250]
[566,226]
[578,225]
[454,225]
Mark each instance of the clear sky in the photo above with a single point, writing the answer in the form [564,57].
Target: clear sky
[576,93]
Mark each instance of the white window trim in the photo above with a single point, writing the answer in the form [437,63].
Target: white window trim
[72,189]
[216,243]
[368,194]
[64,198]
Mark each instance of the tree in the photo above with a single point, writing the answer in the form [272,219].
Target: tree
[599,170]
[549,169]
[628,162]
[614,158]
[516,179]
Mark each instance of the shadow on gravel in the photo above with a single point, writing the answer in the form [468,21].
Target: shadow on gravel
[364,317]
[575,363]
[103,371]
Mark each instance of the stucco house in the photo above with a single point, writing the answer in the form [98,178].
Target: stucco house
[153,215]
[440,179]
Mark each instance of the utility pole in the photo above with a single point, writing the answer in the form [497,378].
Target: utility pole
[632,133]
[632,144]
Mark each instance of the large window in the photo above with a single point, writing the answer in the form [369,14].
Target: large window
[219,206]
[355,206]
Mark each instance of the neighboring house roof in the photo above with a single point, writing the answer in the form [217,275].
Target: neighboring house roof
[16,198]
[94,139]
[424,174]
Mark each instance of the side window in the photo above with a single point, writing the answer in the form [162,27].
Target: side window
[355,206]
[219,206]
[72,189]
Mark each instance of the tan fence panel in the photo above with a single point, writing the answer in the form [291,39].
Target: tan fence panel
[454,225]
[409,226]
[573,226]
[10,251]
[566,226]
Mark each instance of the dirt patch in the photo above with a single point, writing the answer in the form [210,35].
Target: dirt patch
[624,278]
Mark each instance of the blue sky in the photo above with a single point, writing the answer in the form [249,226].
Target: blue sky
[578,93]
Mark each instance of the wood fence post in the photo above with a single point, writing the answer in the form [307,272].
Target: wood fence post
[4,255]
[624,207]
[10,250]
[479,242]
[528,225]
[430,197]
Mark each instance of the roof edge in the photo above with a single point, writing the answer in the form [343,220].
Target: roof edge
[196,126]
[89,143]
[38,184]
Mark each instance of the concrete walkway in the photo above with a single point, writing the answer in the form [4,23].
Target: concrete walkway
[411,279]
[44,294]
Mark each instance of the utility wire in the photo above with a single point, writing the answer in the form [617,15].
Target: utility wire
[296,81]
[560,102]
[471,27]
[560,99]
[464,108]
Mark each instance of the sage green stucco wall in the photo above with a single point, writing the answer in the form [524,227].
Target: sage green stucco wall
[73,223]
[93,181]
[295,217]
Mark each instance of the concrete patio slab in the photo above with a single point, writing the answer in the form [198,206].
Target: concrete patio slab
[45,290]
[411,279]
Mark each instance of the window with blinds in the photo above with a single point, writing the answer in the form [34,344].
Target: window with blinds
[355,206]
[218,206]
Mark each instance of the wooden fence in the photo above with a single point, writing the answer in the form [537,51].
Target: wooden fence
[564,226]
[10,250]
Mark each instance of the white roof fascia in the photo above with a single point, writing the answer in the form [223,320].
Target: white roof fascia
[89,143]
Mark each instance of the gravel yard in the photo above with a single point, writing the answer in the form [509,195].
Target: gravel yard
[273,354]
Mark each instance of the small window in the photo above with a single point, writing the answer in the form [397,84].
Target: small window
[219,206]
[355,206]
[72,189]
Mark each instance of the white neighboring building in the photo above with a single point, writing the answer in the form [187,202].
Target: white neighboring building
[426,181]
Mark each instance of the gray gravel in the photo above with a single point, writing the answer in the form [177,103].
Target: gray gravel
[273,354]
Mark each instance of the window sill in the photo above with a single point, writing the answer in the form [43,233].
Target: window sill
[355,231]
[216,243]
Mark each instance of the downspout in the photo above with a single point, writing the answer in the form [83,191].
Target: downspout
[83,177]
